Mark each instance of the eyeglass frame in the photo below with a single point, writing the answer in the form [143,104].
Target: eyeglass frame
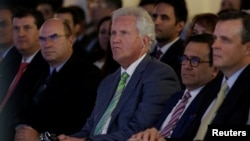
[51,38]
[193,61]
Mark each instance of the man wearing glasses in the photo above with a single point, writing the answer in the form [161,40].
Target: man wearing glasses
[201,79]
[67,92]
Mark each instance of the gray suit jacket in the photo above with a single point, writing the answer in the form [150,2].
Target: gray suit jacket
[140,105]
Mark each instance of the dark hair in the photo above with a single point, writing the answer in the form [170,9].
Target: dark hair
[114,3]
[79,11]
[67,28]
[55,4]
[10,8]
[203,38]
[207,20]
[48,2]
[107,18]
[145,2]
[71,11]
[244,17]
[245,4]
[24,12]
[180,9]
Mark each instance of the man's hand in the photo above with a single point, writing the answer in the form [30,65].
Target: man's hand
[151,134]
[26,133]
[68,138]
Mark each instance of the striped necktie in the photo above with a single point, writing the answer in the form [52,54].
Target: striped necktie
[158,54]
[166,132]
[121,85]
[211,113]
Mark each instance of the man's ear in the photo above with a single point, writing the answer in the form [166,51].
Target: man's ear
[145,41]
[180,26]
[247,48]
[77,28]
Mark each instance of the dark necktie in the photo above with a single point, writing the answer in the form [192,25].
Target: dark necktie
[50,79]
[158,54]
[175,116]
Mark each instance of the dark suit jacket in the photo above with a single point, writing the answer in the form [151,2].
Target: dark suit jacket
[8,70]
[171,57]
[186,127]
[65,104]
[13,109]
[140,105]
[235,107]
[81,48]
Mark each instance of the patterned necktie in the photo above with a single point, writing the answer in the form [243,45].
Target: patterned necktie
[211,113]
[175,116]
[112,104]
[158,54]
[18,76]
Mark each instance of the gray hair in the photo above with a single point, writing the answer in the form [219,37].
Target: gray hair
[144,23]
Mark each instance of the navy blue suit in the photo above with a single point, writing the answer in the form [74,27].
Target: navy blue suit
[185,128]
[140,105]
[235,107]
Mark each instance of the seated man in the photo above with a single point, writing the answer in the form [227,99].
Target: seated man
[134,103]
[66,93]
[201,79]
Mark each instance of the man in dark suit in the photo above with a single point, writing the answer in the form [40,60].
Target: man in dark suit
[201,79]
[67,92]
[150,83]
[169,17]
[13,98]
[231,55]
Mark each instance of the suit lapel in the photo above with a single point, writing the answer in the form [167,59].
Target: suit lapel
[131,85]
[174,49]
[237,96]
[109,93]
[168,108]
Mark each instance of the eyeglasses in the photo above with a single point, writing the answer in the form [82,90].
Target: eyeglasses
[51,38]
[194,61]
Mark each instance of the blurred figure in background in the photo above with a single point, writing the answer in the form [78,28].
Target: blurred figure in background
[230,4]
[70,16]
[148,5]
[99,9]
[169,17]
[203,23]
[46,8]
[6,33]
[82,40]
[106,63]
